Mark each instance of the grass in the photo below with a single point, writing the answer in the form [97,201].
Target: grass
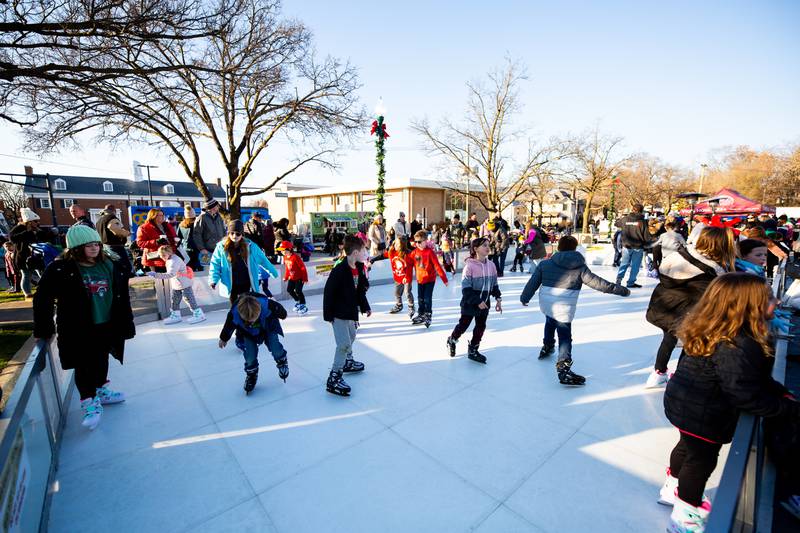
[6,297]
[11,340]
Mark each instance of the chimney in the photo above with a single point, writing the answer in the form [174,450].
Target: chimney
[219,182]
[28,170]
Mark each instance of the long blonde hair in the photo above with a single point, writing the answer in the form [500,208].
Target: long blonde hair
[733,303]
[718,245]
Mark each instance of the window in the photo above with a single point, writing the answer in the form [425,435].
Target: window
[169,188]
[66,203]
[44,203]
[60,185]
[133,202]
[108,186]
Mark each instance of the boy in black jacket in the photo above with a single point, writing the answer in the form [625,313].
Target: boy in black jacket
[255,318]
[345,295]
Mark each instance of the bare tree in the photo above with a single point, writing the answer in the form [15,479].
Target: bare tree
[12,199]
[243,88]
[478,147]
[596,161]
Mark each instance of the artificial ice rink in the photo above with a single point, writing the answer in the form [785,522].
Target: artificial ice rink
[425,443]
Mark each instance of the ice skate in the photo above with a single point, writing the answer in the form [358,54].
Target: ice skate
[396,309]
[173,318]
[92,409]
[566,376]
[427,320]
[547,350]
[656,379]
[250,379]
[336,385]
[302,309]
[451,346]
[197,316]
[687,518]
[108,396]
[352,366]
[474,354]
[283,368]
[410,311]
[419,319]
[669,491]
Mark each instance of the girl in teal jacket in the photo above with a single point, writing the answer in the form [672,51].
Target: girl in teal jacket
[236,262]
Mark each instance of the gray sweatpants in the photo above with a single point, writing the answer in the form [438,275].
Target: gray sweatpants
[398,294]
[344,331]
[188,296]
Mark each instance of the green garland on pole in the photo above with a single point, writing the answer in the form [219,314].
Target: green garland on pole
[379,130]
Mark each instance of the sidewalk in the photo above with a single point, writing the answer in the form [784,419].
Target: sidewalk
[425,442]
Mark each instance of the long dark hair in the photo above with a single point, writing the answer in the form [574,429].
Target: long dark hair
[78,254]
[231,246]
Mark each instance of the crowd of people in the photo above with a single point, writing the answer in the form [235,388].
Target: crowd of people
[712,296]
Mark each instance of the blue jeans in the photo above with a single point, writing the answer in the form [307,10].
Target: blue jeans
[425,297]
[630,257]
[564,330]
[249,346]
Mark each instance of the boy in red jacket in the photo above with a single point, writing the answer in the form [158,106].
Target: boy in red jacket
[294,271]
[427,266]
[403,272]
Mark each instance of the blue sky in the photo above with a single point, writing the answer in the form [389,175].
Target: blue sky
[676,79]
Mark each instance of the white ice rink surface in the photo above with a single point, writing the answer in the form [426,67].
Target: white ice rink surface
[425,443]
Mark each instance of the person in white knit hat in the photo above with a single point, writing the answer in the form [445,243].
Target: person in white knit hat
[23,235]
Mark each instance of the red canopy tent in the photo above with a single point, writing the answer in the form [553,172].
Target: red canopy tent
[730,203]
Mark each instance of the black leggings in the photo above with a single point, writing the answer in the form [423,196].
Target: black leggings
[295,290]
[668,344]
[91,372]
[477,331]
[519,258]
[692,461]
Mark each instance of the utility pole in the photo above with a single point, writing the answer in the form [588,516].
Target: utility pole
[466,198]
[703,167]
[149,185]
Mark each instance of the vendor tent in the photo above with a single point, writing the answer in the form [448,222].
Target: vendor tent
[731,202]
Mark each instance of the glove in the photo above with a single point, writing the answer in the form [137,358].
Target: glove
[780,325]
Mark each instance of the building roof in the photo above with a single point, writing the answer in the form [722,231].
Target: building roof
[370,185]
[89,186]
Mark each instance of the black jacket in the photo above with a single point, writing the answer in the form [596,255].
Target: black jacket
[106,236]
[61,289]
[634,231]
[683,278]
[342,299]
[706,394]
[23,237]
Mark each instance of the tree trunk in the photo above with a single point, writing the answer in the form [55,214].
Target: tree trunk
[587,213]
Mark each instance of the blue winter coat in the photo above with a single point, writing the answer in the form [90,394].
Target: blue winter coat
[220,267]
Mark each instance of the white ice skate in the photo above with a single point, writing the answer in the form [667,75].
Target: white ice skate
[91,412]
[656,379]
[197,316]
[173,318]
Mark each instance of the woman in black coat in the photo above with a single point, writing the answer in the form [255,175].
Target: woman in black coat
[23,235]
[89,293]
[724,370]
[683,278]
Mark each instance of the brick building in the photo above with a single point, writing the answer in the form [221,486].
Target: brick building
[94,193]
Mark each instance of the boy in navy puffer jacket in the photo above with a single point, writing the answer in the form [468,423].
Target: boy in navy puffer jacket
[255,319]
[561,278]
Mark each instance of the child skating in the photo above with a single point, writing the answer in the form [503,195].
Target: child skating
[402,272]
[256,320]
[427,266]
[560,279]
[180,279]
[295,274]
[344,297]
[478,283]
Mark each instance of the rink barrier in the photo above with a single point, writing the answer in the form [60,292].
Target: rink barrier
[744,501]
[31,428]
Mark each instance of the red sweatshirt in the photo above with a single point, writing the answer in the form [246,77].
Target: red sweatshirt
[294,269]
[427,265]
[402,267]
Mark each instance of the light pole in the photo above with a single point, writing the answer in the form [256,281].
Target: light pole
[703,168]
[149,185]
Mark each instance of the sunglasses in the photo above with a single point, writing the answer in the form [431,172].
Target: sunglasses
[419,242]
[235,233]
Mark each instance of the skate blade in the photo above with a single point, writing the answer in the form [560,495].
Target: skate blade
[336,393]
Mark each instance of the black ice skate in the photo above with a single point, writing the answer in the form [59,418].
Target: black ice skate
[427,320]
[411,312]
[547,351]
[474,354]
[283,368]
[351,365]
[419,319]
[250,379]
[396,309]
[566,376]
[336,385]
[451,346]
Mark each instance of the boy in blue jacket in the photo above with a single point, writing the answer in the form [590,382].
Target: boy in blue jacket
[255,318]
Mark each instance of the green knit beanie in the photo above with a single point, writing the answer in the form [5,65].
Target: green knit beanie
[80,235]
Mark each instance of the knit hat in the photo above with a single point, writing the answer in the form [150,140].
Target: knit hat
[402,214]
[285,245]
[189,212]
[235,225]
[79,235]
[28,215]
[211,204]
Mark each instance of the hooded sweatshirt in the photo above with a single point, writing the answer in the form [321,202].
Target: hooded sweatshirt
[427,265]
[478,282]
[560,279]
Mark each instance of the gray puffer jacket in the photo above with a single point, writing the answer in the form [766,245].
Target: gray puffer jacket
[560,279]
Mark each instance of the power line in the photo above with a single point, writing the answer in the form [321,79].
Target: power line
[62,164]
